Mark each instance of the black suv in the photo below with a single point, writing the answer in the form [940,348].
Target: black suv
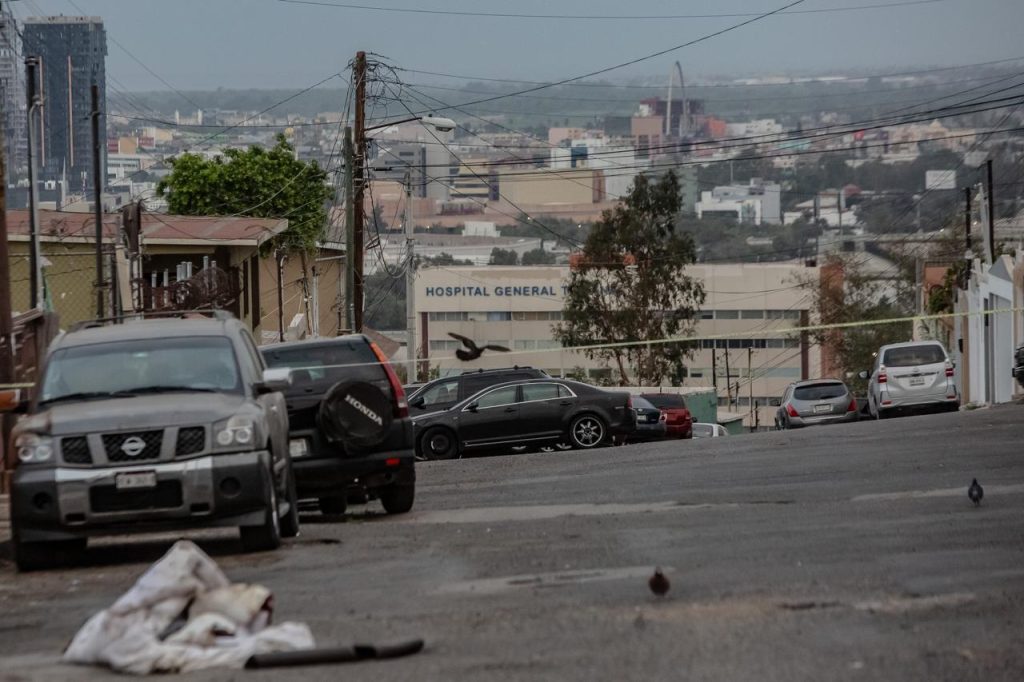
[440,394]
[1018,365]
[350,433]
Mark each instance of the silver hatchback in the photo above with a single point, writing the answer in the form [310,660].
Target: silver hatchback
[916,375]
[818,401]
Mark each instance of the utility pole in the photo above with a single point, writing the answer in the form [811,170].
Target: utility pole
[279,257]
[359,182]
[350,222]
[750,383]
[410,282]
[35,248]
[728,377]
[990,195]
[967,219]
[6,323]
[714,370]
[97,181]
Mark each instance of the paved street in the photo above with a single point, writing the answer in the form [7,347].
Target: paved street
[839,553]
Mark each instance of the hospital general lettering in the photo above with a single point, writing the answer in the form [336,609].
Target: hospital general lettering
[498,291]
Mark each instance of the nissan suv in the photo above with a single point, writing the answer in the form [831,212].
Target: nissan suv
[148,425]
[351,437]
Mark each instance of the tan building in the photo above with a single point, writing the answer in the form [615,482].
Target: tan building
[746,325]
[547,186]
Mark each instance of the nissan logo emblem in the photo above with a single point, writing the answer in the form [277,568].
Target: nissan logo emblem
[133,446]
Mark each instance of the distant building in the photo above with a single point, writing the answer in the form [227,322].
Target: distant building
[72,51]
[757,203]
[12,98]
[764,126]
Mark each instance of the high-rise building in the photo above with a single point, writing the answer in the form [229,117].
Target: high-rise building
[12,98]
[72,53]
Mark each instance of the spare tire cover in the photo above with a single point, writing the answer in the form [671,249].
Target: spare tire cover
[355,412]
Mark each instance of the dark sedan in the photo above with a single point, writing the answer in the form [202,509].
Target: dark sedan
[651,422]
[534,412]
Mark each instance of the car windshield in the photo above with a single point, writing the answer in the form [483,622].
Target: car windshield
[702,430]
[911,356]
[325,364]
[666,401]
[819,391]
[201,363]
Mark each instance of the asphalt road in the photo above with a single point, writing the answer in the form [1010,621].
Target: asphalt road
[848,552]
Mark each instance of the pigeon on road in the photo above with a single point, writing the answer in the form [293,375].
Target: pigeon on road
[471,350]
[658,583]
[975,492]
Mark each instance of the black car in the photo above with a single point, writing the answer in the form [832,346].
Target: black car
[534,412]
[350,434]
[1018,365]
[440,394]
[651,422]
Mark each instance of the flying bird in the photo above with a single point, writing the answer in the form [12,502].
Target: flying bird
[658,583]
[975,492]
[471,350]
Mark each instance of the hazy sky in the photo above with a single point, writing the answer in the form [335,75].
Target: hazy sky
[201,44]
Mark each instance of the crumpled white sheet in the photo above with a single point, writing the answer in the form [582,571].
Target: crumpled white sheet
[227,623]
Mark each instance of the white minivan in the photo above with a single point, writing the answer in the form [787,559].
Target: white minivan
[911,376]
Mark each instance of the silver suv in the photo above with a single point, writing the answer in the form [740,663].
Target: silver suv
[911,376]
[152,425]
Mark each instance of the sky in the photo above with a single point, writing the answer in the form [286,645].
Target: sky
[206,44]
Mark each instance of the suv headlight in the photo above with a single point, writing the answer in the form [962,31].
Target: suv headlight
[240,430]
[32,448]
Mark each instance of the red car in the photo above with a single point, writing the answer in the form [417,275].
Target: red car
[679,420]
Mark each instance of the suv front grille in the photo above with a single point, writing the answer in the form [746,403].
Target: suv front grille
[76,450]
[114,443]
[190,441]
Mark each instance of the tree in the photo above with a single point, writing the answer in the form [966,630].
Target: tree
[538,257]
[441,259]
[631,286]
[254,182]
[504,257]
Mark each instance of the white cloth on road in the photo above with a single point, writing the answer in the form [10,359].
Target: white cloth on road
[225,623]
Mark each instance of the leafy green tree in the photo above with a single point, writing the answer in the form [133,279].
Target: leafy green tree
[631,286]
[442,259]
[538,257]
[504,257]
[257,182]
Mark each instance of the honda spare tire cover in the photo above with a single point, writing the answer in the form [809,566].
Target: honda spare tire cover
[355,412]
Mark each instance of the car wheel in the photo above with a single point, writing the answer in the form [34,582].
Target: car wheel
[397,498]
[36,556]
[587,431]
[290,522]
[266,536]
[333,506]
[439,443]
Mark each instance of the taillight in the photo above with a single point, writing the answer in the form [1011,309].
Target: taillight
[882,376]
[852,407]
[401,405]
[629,401]
[949,370]
[792,411]
[664,417]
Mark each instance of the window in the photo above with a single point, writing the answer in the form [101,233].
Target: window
[782,373]
[548,344]
[911,356]
[752,314]
[498,316]
[326,364]
[564,392]
[727,314]
[524,344]
[443,345]
[498,397]
[446,392]
[822,391]
[666,400]
[540,392]
[707,314]
[707,343]
[783,314]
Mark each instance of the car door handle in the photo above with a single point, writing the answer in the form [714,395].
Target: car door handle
[565,402]
[510,409]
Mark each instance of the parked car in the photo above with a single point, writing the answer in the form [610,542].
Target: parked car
[911,376]
[703,430]
[679,421]
[440,394]
[1018,365]
[815,402]
[160,424]
[535,412]
[339,451]
[650,422]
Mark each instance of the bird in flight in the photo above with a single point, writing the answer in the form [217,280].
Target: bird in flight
[658,583]
[975,492]
[471,350]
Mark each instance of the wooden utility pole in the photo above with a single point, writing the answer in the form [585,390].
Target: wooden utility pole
[6,324]
[359,182]
[97,181]
[750,383]
[990,195]
[728,377]
[350,221]
[35,249]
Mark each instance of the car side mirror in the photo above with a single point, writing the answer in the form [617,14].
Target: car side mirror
[863,374]
[274,379]
[419,402]
[12,401]
[473,407]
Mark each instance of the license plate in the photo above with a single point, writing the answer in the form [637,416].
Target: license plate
[298,447]
[822,408]
[917,381]
[132,480]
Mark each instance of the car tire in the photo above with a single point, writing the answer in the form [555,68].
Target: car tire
[266,536]
[290,521]
[397,498]
[587,431]
[439,443]
[37,556]
[333,505]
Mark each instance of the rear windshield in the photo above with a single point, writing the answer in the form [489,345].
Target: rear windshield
[702,430]
[326,365]
[664,401]
[819,391]
[641,404]
[913,355]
